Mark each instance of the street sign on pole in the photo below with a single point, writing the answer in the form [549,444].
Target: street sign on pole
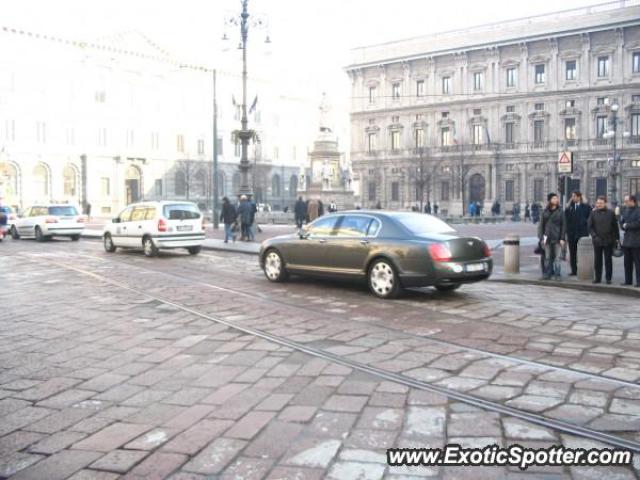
[565,162]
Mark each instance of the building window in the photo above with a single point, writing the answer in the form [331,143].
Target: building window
[444,191]
[570,103]
[511,108]
[395,91]
[635,98]
[180,183]
[372,191]
[602,100]
[635,67]
[539,74]
[477,111]
[508,133]
[445,136]
[603,67]
[634,184]
[102,137]
[478,131]
[477,81]
[444,114]
[100,96]
[158,187]
[129,138]
[395,140]
[569,128]
[371,142]
[446,85]
[570,70]
[155,141]
[419,138]
[372,94]
[180,143]
[538,107]
[419,117]
[41,132]
[512,77]
[420,88]
[395,119]
[538,190]
[395,191]
[105,186]
[200,147]
[509,187]
[601,126]
[635,128]
[538,132]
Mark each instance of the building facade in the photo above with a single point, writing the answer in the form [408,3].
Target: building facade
[485,114]
[121,120]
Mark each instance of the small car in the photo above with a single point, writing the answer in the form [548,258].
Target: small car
[152,226]
[43,222]
[390,250]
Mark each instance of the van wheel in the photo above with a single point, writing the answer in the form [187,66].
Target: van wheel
[194,250]
[150,250]
[383,279]
[39,236]
[108,244]
[14,233]
[75,238]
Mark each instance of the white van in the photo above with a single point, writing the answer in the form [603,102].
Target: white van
[152,226]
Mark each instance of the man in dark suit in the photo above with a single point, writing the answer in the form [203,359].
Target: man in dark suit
[576,217]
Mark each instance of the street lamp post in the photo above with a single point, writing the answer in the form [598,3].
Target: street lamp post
[613,163]
[244,134]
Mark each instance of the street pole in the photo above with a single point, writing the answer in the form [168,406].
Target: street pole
[614,186]
[245,134]
[216,219]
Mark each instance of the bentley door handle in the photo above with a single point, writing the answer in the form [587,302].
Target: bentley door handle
[322,240]
[364,242]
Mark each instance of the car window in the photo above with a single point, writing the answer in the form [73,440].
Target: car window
[374,228]
[138,214]
[125,216]
[150,214]
[181,211]
[323,227]
[26,213]
[354,226]
[63,211]
[420,224]
[38,211]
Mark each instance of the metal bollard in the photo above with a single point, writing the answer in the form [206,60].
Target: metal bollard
[585,259]
[511,253]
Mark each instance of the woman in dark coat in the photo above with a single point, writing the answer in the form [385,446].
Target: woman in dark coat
[552,234]
[630,224]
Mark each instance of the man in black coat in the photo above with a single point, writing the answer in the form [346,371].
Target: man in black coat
[300,212]
[630,223]
[576,214]
[603,228]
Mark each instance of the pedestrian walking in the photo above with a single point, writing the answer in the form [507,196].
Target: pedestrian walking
[228,216]
[435,208]
[605,236]
[320,208]
[333,207]
[300,212]
[378,205]
[427,207]
[552,234]
[253,225]
[527,213]
[87,211]
[516,212]
[472,209]
[312,210]
[535,212]
[630,224]
[244,214]
[577,214]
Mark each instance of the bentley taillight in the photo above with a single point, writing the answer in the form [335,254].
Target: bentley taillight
[440,252]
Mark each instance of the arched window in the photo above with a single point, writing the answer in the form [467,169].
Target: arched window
[41,181]
[293,185]
[9,181]
[180,180]
[275,185]
[200,181]
[70,179]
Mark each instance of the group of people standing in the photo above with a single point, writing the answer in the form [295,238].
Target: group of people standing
[560,228]
[307,211]
[241,217]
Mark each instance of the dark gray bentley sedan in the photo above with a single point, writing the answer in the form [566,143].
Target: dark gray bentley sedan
[391,250]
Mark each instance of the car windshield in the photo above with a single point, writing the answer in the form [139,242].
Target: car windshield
[63,211]
[421,224]
[181,211]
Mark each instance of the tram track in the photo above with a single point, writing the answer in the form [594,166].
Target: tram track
[538,419]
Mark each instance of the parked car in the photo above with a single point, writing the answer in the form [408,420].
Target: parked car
[152,226]
[45,221]
[391,250]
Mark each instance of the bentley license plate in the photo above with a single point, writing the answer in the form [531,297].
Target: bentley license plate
[475,267]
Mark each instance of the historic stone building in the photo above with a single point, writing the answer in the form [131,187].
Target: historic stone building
[484,113]
[121,120]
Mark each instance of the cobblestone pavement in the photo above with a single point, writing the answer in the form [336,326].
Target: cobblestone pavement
[195,367]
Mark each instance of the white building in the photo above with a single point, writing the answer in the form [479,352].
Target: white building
[121,120]
[484,113]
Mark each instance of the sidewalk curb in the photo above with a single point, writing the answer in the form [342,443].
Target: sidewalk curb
[614,290]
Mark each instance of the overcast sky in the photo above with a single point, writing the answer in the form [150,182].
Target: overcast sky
[311,38]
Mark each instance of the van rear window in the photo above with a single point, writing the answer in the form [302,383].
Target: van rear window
[182,211]
[63,211]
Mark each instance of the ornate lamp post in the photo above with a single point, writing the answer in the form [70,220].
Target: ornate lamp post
[244,134]
[613,163]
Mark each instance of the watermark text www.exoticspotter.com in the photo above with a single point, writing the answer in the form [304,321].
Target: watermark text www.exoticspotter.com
[514,455]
